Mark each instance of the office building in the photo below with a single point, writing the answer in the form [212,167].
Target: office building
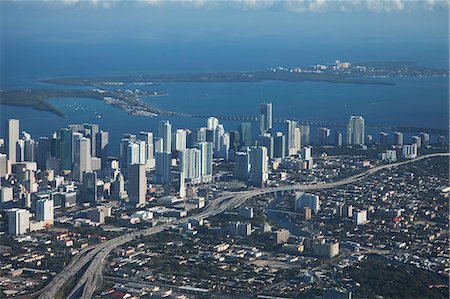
[242,165]
[279,146]
[246,134]
[356,130]
[44,211]
[267,141]
[118,187]
[12,138]
[165,132]
[137,187]
[259,166]
[102,146]
[43,152]
[65,147]
[265,114]
[91,131]
[18,221]
[89,187]
[163,173]
[303,200]
[82,157]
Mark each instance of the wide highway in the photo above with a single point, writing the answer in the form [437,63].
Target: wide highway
[95,256]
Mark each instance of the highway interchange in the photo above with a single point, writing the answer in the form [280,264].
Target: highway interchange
[94,257]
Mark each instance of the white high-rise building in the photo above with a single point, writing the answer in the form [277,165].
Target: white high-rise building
[13,137]
[293,138]
[398,139]
[44,211]
[180,140]
[206,160]
[259,165]
[82,156]
[137,188]
[212,123]
[409,151]
[190,165]
[18,221]
[147,137]
[355,130]
[165,132]
[133,153]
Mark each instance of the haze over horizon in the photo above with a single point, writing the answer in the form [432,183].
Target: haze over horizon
[158,36]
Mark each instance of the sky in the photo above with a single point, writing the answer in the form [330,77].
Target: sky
[76,36]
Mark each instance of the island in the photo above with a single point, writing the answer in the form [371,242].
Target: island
[116,90]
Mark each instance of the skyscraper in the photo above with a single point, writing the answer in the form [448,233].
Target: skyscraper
[267,141]
[384,139]
[43,152]
[259,168]
[190,165]
[206,160]
[163,168]
[147,137]
[102,145]
[355,130]
[137,188]
[180,140]
[91,131]
[398,139]
[82,157]
[337,138]
[293,138]
[279,146]
[242,165]
[425,138]
[246,134]
[66,147]
[13,137]
[305,134]
[265,112]
[324,135]
[89,188]
[165,132]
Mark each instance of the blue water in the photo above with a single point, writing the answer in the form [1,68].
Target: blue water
[417,102]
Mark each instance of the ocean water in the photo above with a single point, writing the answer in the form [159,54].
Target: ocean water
[415,102]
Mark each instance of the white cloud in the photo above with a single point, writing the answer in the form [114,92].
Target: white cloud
[295,6]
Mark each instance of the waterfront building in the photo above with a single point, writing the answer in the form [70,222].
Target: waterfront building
[384,139]
[246,134]
[355,130]
[165,132]
[190,164]
[82,157]
[324,135]
[398,139]
[265,112]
